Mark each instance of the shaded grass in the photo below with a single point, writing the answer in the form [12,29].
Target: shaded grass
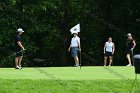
[72,86]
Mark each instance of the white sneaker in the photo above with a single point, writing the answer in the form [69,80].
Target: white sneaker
[109,65]
[129,65]
[20,67]
[17,67]
[104,65]
[77,65]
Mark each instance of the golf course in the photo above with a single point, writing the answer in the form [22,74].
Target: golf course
[92,79]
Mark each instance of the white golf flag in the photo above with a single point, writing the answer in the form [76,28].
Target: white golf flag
[75,29]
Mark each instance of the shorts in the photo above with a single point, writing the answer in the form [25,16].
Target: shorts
[19,53]
[128,52]
[107,54]
[74,51]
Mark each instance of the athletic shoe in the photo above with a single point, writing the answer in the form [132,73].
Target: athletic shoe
[104,65]
[76,65]
[109,65]
[129,65]
[17,67]
[20,67]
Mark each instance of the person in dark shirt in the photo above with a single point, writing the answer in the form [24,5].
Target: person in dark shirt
[18,49]
[130,45]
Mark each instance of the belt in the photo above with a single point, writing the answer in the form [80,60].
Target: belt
[74,47]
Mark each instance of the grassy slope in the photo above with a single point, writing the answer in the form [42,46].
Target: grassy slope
[67,79]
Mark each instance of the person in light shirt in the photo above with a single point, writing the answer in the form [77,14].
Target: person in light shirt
[109,49]
[75,47]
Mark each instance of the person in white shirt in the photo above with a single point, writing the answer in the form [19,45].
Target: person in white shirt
[75,47]
[109,49]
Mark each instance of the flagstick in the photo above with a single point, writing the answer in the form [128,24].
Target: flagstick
[80,54]
[80,59]
[80,48]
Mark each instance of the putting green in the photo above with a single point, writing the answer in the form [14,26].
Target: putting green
[70,73]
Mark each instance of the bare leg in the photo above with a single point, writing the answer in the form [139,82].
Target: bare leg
[16,61]
[20,59]
[105,60]
[110,60]
[76,60]
[128,58]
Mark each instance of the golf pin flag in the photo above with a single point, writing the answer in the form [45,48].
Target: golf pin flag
[75,29]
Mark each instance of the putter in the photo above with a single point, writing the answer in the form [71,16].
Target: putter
[80,58]
[135,83]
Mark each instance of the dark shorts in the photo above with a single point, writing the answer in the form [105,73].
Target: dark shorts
[128,52]
[107,54]
[74,51]
[19,53]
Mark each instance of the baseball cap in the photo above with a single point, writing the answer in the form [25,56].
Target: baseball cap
[20,30]
[129,34]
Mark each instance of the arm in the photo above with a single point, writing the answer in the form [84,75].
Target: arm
[134,44]
[19,43]
[79,45]
[69,48]
[104,48]
[113,50]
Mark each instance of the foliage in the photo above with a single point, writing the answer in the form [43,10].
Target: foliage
[47,23]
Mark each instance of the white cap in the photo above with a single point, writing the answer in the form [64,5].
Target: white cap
[20,30]
[129,34]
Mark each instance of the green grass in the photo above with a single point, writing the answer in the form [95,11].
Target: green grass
[68,80]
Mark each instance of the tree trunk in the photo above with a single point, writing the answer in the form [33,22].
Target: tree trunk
[65,34]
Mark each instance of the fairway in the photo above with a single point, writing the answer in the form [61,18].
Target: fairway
[90,79]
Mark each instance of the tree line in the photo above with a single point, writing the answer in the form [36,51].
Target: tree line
[47,23]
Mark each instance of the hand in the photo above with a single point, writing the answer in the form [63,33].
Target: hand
[132,49]
[79,50]
[69,50]
[23,49]
[112,53]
